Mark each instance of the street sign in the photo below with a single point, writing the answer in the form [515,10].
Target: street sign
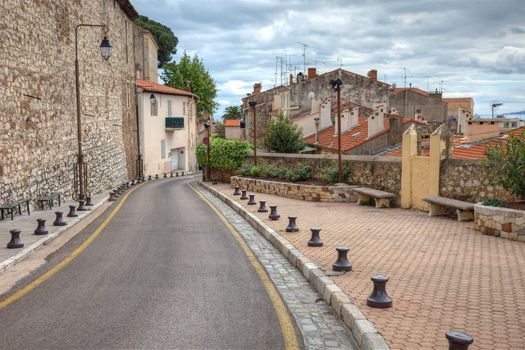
[205,140]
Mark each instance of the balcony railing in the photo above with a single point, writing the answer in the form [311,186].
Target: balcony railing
[173,123]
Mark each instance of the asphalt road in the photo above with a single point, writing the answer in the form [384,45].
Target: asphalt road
[165,273]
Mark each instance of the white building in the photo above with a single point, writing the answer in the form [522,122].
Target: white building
[167,116]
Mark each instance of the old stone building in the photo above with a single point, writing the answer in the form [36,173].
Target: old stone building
[38,126]
[419,104]
[304,97]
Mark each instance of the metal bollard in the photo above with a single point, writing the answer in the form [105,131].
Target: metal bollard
[458,340]
[182,173]
[237,191]
[379,298]
[176,174]
[72,213]
[89,203]
[273,213]
[59,220]
[342,263]
[171,174]
[41,228]
[112,197]
[156,176]
[149,177]
[292,225]
[165,175]
[243,195]
[81,206]
[15,241]
[262,207]
[315,240]
[252,200]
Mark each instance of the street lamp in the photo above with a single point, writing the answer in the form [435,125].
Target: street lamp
[252,105]
[152,99]
[336,85]
[208,129]
[105,51]
[494,105]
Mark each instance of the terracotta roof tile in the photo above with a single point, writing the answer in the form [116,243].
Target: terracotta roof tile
[232,122]
[162,89]
[416,90]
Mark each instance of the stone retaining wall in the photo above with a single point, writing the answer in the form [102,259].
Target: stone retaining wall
[500,222]
[297,191]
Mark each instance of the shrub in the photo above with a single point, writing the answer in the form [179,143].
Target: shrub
[492,202]
[303,171]
[283,136]
[330,173]
[370,201]
[505,164]
[225,154]
[255,171]
[245,169]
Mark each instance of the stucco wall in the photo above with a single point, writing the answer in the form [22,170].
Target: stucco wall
[38,142]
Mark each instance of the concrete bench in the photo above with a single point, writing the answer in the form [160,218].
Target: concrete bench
[381,198]
[438,205]
[49,199]
[10,207]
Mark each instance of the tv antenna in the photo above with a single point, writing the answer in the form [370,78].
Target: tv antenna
[304,55]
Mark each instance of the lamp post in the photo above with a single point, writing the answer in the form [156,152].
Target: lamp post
[208,129]
[336,85]
[252,105]
[494,105]
[105,50]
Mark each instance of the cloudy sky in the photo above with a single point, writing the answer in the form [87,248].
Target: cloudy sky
[468,48]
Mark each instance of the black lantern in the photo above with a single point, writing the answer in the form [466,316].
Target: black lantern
[152,99]
[105,48]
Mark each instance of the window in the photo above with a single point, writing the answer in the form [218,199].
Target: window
[162,149]
[506,125]
[154,105]
[169,108]
[514,124]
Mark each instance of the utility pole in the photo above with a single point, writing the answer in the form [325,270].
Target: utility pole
[304,56]
[275,79]
[405,107]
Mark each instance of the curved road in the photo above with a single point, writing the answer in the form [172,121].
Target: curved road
[164,273]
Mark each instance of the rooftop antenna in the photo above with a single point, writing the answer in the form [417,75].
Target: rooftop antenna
[406,92]
[428,81]
[340,61]
[304,56]
[275,76]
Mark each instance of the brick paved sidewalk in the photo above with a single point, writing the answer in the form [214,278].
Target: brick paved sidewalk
[443,274]
[27,224]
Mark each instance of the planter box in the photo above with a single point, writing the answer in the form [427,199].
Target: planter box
[313,193]
[500,222]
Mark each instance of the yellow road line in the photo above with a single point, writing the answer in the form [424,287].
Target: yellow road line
[289,336]
[12,298]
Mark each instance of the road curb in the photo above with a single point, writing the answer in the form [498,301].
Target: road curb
[364,332]
[24,253]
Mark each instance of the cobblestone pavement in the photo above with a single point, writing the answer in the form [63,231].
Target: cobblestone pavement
[27,225]
[320,328]
[443,274]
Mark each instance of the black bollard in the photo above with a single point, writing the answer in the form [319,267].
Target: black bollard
[41,228]
[149,177]
[15,241]
[176,174]
[458,340]
[273,213]
[182,173]
[379,298]
[171,174]
[59,221]
[89,203]
[237,191]
[292,225]
[243,195]
[342,263]
[165,175]
[214,182]
[81,206]
[262,207]
[156,176]
[112,197]
[252,200]
[72,213]
[115,194]
[315,240]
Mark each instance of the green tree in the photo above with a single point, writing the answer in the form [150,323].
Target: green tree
[232,112]
[193,70]
[283,136]
[164,36]
[224,154]
[219,129]
[506,164]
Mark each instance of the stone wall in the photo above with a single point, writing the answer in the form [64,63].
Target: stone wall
[465,179]
[500,222]
[38,128]
[310,193]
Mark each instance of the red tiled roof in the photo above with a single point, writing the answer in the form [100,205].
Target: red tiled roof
[161,89]
[232,122]
[416,90]
[458,99]
[350,139]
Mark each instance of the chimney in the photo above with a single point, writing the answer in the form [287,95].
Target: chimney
[257,88]
[317,123]
[372,74]
[291,78]
[326,114]
[394,111]
[354,118]
[312,73]
[376,122]
[299,77]
[419,116]
[188,86]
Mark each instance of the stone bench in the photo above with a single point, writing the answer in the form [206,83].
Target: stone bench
[10,207]
[438,205]
[381,198]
